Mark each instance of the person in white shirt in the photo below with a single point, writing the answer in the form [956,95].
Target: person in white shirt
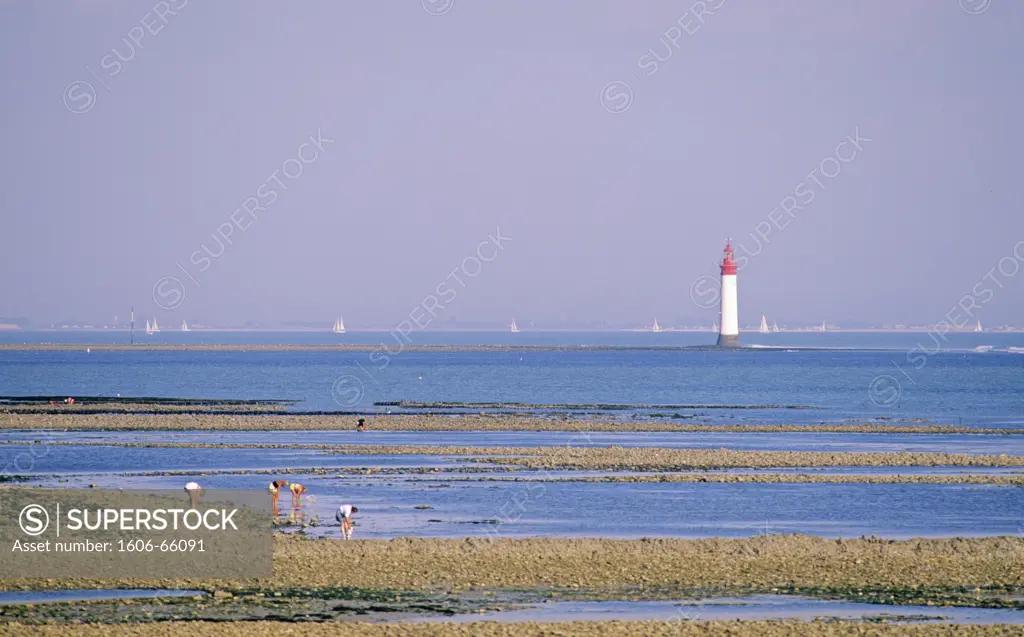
[344,517]
[194,491]
[275,494]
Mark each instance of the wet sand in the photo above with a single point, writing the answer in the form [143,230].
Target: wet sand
[789,478]
[661,459]
[490,629]
[599,569]
[84,419]
[763,563]
[473,474]
[425,474]
[609,458]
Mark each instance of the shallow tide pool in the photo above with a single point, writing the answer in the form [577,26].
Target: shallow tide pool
[745,608]
[1011,444]
[388,507]
[43,597]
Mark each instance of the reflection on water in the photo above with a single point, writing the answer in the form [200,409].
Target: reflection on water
[471,505]
[42,597]
[757,607]
[388,507]
[98,459]
[1012,444]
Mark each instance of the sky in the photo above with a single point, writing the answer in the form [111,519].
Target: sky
[573,161]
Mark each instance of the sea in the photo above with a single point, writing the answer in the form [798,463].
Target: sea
[973,380]
[969,379]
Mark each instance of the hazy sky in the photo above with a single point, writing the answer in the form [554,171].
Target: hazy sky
[493,115]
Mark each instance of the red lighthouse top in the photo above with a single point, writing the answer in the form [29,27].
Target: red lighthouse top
[728,263]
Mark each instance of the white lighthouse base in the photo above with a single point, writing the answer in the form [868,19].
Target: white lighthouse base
[728,340]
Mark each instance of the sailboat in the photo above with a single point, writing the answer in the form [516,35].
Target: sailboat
[513,327]
[149,328]
[822,328]
[764,325]
[156,328]
[339,326]
[775,326]
[655,327]
[714,326]
[184,326]
[977,328]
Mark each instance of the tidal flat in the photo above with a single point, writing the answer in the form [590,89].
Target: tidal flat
[491,629]
[337,585]
[292,603]
[442,468]
[760,563]
[162,417]
[605,458]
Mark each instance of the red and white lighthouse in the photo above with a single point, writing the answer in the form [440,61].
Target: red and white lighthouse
[729,332]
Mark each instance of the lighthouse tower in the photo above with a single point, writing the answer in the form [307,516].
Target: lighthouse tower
[729,332]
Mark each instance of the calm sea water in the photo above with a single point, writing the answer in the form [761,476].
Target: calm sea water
[620,338]
[173,458]
[388,506]
[391,505]
[853,376]
[882,376]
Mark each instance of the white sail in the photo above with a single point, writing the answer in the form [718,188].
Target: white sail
[775,326]
[655,327]
[977,328]
[714,326]
[156,328]
[822,328]
[512,326]
[184,326]
[339,326]
[149,328]
[764,325]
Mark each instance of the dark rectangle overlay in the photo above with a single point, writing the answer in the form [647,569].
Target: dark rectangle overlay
[134,533]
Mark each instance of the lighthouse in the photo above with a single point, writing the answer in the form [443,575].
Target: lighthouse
[729,332]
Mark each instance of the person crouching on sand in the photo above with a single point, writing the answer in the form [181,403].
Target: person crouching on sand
[344,517]
[297,491]
[194,491]
[275,493]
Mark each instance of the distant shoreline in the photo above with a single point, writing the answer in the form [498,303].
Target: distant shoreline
[367,347]
[496,330]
